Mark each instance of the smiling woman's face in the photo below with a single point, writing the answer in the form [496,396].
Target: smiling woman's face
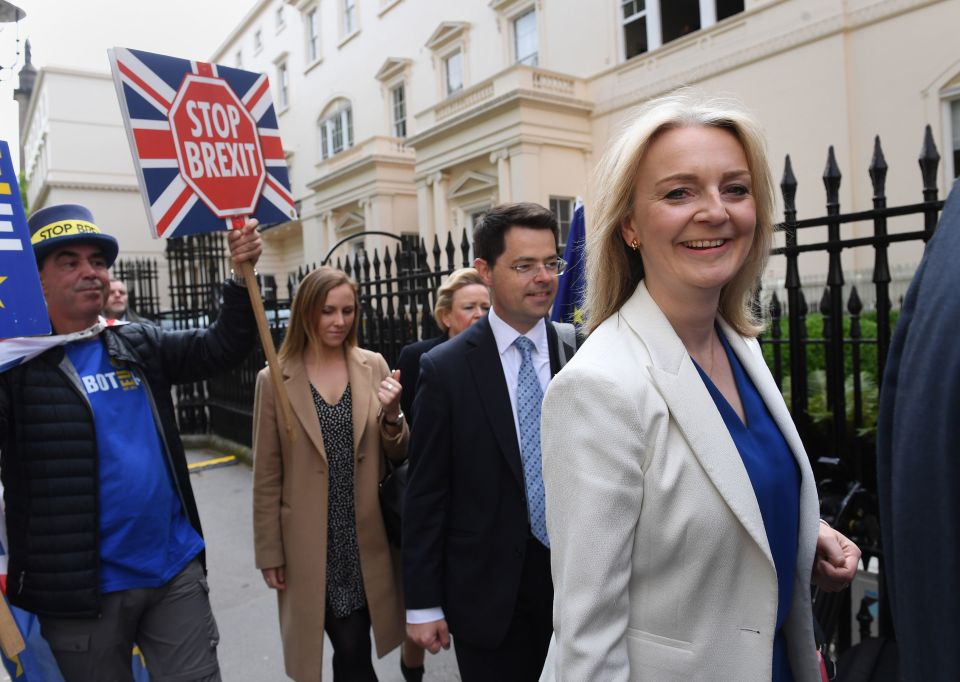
[694,214]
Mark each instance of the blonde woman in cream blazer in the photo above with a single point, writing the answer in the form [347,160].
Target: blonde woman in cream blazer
[663,565]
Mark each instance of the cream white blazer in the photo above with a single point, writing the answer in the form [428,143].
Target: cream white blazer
[661,565]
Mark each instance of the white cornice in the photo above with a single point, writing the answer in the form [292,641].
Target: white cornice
[392,67]
[244,24]
[446,32]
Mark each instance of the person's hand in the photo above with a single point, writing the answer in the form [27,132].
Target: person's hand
[430,636]
[245,244]
[389,395]
[276,578]
[836,561]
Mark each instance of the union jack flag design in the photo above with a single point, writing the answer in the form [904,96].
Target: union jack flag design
[147,85]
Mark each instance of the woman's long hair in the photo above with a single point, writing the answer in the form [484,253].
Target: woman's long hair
[311,296]
[613,269]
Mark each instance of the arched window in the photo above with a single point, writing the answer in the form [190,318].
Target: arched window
[335,128]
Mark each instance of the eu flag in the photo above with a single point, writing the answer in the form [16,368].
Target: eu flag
[23,312]
[569,302]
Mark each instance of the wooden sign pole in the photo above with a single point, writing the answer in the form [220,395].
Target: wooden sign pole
[266,339]
[11,641]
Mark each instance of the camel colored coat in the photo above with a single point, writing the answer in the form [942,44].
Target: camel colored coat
[290,486]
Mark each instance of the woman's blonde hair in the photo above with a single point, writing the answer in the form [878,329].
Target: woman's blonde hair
[613,269]
[457,280]
[308,302]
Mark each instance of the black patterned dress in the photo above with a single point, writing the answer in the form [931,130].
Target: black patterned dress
[344,580]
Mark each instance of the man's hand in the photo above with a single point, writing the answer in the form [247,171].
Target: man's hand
[835,563]
[430,636]
[245,244]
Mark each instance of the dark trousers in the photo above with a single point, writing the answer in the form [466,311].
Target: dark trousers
[173,626]
[350,636]
[520,656]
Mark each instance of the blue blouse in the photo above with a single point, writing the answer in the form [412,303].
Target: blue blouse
[775,476]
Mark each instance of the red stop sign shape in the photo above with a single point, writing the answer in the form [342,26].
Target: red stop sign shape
[218,148]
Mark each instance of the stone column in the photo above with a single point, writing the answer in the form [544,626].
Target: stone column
[441,213]
[331,232]
[501,157]
[525,174]
[427,227]
[314,231]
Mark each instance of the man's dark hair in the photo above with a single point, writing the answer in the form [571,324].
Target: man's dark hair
[488,235]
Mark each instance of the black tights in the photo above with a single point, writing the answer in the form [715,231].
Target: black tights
[350,636]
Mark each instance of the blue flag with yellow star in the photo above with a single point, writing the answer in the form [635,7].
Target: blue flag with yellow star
[569,301]
[23,312]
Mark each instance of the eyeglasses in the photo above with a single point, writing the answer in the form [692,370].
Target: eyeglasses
[553,267]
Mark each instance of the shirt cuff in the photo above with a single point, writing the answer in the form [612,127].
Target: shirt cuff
[420,616]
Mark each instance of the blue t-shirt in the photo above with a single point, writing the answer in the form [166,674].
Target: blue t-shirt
[145,536]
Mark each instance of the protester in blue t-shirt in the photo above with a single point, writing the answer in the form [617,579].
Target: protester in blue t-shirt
[105,544]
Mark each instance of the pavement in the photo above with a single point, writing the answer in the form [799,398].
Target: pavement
[245,609]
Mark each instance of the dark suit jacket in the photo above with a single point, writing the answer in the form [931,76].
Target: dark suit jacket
[409,365]
[465,524]
[918,461]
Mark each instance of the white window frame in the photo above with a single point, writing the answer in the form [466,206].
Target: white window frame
[951,133]
[283,86]
[554,205]
[533,58]
[238,59]
[257,41]
[445,62]
[280,20]
[652,13]
[336,130]
[312,33]
[449,38]
[349,23]
[398,125]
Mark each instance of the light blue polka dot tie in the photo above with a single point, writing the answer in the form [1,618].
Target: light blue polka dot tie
[529,399]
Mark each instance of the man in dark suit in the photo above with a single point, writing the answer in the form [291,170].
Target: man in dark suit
[918,440]
[475,551]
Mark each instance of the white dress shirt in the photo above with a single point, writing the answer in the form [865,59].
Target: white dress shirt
[510,360]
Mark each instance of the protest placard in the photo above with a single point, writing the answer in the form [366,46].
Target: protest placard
[207,150]
[205,143]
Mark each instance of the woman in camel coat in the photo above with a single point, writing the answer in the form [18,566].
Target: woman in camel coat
[318,532]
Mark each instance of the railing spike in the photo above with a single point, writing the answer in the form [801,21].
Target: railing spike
[878,170]
[788,185]
[929,160]
[832,177]
[854,304]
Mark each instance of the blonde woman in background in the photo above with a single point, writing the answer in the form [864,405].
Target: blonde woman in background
[319,536]
[681,507]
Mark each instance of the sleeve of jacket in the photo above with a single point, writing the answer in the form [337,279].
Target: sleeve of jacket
[425,502]
[592,472]
[409,365]
[267,477]
[394,447]
[196,354]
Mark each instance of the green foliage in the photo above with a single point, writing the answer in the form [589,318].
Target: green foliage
[817,409]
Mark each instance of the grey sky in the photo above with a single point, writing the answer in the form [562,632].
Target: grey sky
[77,33]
